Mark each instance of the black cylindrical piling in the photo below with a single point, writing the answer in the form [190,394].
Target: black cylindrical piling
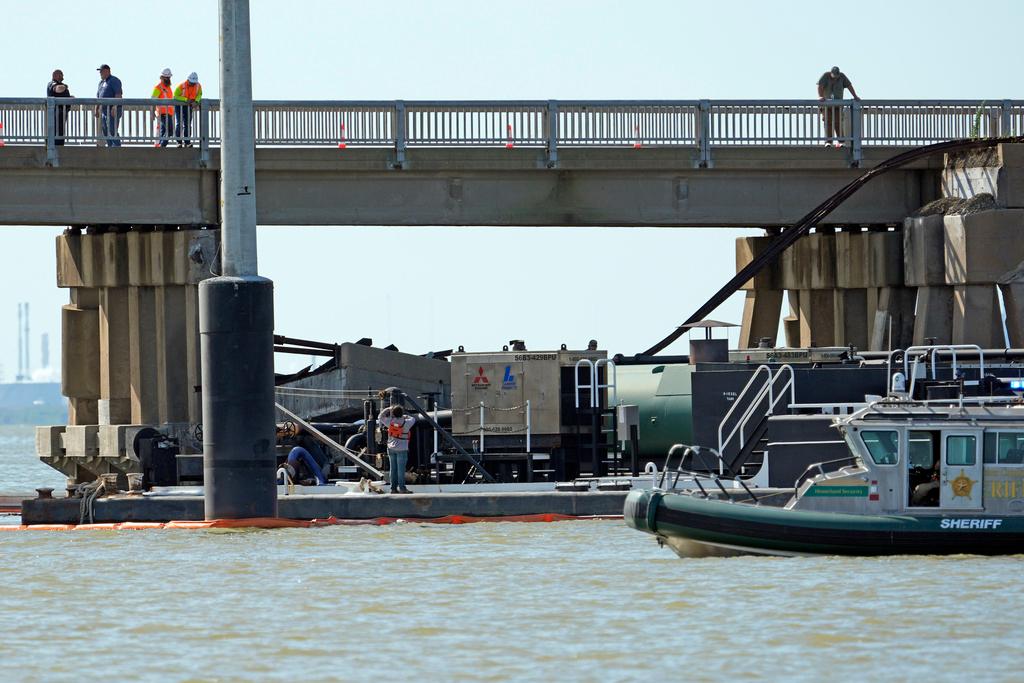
[236,324]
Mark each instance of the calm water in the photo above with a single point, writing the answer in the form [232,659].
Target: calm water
[588,601]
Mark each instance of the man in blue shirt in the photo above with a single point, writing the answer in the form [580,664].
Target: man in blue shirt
[110,116]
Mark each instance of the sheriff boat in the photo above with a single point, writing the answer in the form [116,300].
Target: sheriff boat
[923,476]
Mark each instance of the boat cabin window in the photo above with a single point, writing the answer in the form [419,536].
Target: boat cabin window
[921,450]
[883,446]
[1004,448]
[923,460]
[960,449]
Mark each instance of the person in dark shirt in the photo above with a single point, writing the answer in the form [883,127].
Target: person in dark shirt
[57,88]
[110,116]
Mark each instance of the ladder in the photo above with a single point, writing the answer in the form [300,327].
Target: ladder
[742,431]
[603,441]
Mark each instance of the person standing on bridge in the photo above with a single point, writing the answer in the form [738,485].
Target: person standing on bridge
[832,86]
[190,92]
[399,429]
[162,91]
[57,88]
[110,116]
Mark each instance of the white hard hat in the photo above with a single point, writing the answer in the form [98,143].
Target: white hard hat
[166,72]
[193,77]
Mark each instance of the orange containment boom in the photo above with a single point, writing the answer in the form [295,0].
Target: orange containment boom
[281,523]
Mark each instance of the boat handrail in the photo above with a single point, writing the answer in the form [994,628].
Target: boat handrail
[285,479]
[931,352]
[892,402]
[820,467]
[847,407]
[710,475]
[652,469]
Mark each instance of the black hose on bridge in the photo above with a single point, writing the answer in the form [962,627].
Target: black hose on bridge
[790,235]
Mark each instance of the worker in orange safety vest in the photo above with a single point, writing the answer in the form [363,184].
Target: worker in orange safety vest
[188,95]
[162,91]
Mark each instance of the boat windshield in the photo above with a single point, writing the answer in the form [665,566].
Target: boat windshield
[882,445]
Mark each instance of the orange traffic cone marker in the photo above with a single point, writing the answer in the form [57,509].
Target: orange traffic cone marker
[342,145]
[509,144]
[636,130]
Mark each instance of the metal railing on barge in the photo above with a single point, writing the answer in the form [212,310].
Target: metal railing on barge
[701,125]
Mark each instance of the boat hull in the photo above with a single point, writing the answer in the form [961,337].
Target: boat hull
[694,526]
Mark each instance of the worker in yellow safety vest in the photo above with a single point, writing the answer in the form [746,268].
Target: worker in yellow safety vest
[162,91]
[189,92]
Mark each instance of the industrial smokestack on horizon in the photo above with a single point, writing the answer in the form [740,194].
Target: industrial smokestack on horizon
[28,364]
[24,365]
[24,357]
[44,350]
[18,376]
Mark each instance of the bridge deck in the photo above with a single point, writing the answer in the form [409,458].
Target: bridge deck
[462,185]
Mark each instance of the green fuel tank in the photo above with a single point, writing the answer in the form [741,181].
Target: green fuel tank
[664,396]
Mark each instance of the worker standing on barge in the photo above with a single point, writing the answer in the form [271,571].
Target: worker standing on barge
[399,428]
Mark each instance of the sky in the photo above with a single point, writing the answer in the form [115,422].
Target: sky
[328,283]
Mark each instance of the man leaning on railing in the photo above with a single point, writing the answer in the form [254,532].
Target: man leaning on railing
[188,93]
[832,86]
[57,88]
[110,116]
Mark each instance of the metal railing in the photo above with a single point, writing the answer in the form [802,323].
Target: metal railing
[818,470]
[701,125]
[668,482]
[762,402]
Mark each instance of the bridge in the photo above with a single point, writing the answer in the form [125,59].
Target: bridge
[536,163]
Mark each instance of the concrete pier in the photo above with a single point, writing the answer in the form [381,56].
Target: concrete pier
[935,275]
[130,347]
[132,325]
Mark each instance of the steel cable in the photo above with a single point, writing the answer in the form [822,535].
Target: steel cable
[816,215]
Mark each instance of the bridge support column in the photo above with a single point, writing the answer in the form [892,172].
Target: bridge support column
[817,317]
[142,335]
[236,311]
[791,323]
[80,377]
[934,316]
[114,359]
[851,317]
[1013,301]
[109,265]
[193,356]
[171,356]
[80,348]
[893,325]
[763,303]
[142,358]
[976,316]
[761,310]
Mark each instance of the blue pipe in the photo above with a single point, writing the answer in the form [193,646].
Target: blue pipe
[300,454]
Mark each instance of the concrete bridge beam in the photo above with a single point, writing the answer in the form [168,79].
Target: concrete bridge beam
[770,186]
